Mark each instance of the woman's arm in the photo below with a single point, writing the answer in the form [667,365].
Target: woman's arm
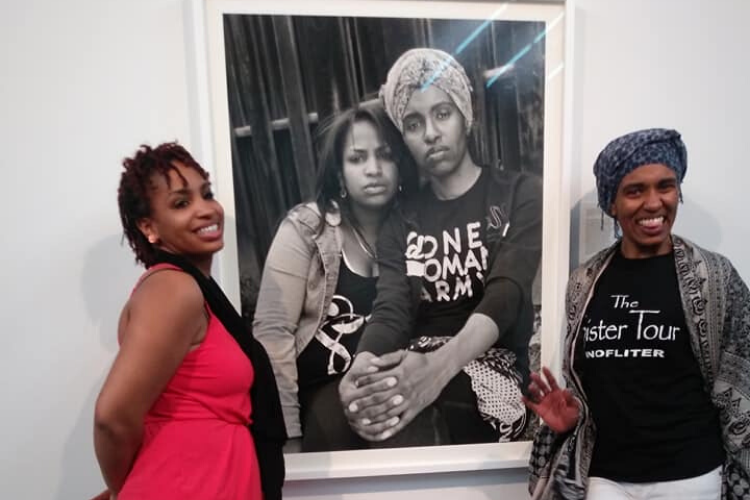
[421,377]
[163,319]
[514,263]
[280,302]
[388,331]
[395,308]
[732,386]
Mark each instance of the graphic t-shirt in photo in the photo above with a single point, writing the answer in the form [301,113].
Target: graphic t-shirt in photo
[450,254]
[654,419]
[329,354]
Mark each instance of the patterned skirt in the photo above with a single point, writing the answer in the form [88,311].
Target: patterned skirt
[496,384]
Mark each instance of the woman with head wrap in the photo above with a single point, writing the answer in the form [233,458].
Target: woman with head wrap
[446,351]
[657,351]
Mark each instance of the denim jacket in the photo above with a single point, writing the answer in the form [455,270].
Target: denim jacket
[299,279]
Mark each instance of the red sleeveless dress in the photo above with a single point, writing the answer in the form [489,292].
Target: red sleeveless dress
[196,444]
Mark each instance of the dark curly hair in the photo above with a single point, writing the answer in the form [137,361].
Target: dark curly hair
[136,182]
[331,138]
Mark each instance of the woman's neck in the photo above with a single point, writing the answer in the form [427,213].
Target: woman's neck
[204,266]
[631,250]
[457,182]
[202,263]
[368,221]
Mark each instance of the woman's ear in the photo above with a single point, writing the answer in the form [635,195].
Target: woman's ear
[147,228]
[612,210]
[342,186]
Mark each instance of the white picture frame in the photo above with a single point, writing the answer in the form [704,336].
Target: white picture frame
[211,128]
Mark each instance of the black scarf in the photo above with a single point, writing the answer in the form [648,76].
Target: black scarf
[267,428]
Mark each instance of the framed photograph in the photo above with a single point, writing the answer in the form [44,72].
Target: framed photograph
[269,74]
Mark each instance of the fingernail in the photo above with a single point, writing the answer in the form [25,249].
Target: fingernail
[374,360]
[397,400]
[393,421]
[372,369]
[391,381]
[353,407]
[366,421]
[386,435]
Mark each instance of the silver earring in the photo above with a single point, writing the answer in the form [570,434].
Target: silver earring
[343,194]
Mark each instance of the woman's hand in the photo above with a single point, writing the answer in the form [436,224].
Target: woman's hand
[365,392]
[105,495]
[558,407]
[293,445]
[420,379]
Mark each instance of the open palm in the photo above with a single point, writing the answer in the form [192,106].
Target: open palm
[557,407]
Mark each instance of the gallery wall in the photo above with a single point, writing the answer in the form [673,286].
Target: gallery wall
[85,81]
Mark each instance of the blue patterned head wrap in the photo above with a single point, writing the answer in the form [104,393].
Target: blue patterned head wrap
[626,153]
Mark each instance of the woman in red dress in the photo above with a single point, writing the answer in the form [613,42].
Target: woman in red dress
[172,417]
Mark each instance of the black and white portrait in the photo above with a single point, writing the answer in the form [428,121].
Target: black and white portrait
[304,91]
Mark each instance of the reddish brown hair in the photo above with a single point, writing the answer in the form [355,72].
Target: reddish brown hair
[136,183]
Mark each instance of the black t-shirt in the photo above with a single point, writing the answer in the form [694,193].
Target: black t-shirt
[450,253]
[330,352]
[654,419]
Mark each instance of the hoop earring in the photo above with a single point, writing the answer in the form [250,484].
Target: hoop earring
[400,188]
[342,193]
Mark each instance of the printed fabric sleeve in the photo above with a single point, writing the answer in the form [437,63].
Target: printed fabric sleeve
[732,384]
[514,263]
[394,309]
[280,302]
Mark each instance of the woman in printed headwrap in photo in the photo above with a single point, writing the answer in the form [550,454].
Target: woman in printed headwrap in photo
[445,354]
[319,278]
[657,352]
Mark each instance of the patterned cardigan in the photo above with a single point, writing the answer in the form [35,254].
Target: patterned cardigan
[717,311]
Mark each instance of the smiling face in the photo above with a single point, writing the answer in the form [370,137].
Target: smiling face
[435,132]
[645,208]
[185,218]
[369,173]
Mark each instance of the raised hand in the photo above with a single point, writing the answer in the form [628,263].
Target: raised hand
[558,407]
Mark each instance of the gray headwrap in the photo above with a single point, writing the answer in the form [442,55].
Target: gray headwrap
[417,69]
[626,153]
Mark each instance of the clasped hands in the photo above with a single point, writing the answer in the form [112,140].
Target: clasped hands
[382,394]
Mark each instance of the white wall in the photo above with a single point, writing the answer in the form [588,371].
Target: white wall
[679,64]
[83,82]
